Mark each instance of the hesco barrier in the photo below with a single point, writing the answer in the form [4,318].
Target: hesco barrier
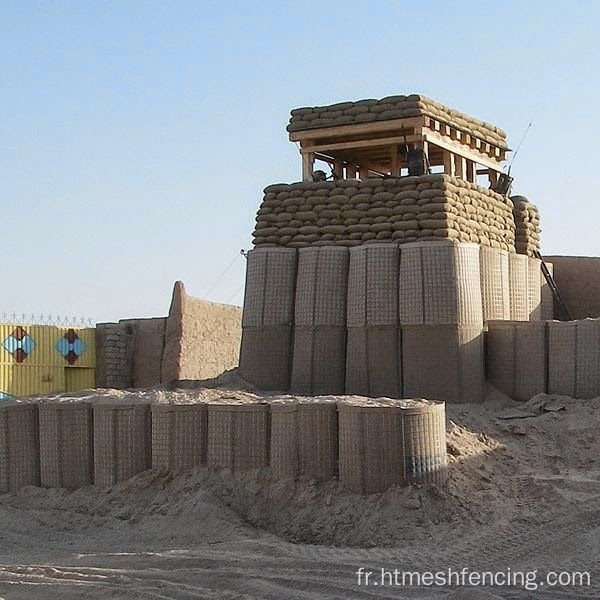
[495,294]
[319,362]
[122,441]
[238,436]
[19,446]
[516,358]
[562,357]
[304,440]
[387,444]
[179,436]
[440,283]
[534,288]
[374,361]
[443,362]
[587,376]
[268,317]
[518,276]
[66,444]
[424,434]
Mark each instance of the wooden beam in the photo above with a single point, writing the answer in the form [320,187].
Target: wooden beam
[448,162]
[350,171]
[364,170]
[471,171]
[460,166]
[457,148]
[358,128]
[394,160]
[361,143]
[338,168]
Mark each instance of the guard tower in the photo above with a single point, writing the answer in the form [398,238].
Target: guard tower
[372,138]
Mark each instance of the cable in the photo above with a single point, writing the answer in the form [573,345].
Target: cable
[234,294]
[212,287]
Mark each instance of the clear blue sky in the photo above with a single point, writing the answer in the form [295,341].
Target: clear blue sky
[136,137]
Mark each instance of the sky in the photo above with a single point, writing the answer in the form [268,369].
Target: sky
[136,137]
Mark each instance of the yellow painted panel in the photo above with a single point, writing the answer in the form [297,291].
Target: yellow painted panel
[34,358]
[79,378]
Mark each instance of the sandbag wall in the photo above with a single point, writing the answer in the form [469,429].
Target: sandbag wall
[527,226]
[371,445]
[407,209]
[268,317]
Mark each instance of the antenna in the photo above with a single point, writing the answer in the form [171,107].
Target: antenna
[512,160]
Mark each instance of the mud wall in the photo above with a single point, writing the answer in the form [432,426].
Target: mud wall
[578,281]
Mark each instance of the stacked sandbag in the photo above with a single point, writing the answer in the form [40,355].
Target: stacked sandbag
[268,317]
[443,362]
[386,442]
[319,359]
[440,283]
[516,361]
[304,439]
[19,446]
[527,225]
[518,287]
[122,441]
[390,108]
[373,360]
[406,209]
[495,294]
[573,358]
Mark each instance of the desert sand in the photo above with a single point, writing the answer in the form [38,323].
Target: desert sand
[523,493]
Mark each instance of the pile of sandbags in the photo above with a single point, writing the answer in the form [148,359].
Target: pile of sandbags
[527,225]
[389,108]
[407,209]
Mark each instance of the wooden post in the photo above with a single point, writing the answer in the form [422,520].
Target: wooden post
[460,166]
[471,171]
[364,170]
[308,165]
[394,161]
[493,177]
[338,168]
[350,171]
[448,162]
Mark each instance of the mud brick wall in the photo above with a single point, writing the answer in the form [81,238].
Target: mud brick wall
[407,209]
[392,107]
[114,355]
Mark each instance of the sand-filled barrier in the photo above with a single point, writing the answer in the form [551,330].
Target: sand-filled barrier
[238,436]
[516,358]
[122,441]
[407,209]
[390,442]
[19,446]
[66,444]
[443,362]
[304,440]
[440,283]
[518,276]
[527,225]
[267,323]
[319,357]
[373,352]
[495,295]
[179,436]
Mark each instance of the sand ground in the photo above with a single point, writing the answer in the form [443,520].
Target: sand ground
[524,494]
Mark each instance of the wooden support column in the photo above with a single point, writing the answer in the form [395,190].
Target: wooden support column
[471,171]
[448,162]
[364,170]
[460,166]
[338,168]
[394,161]
[493,177]
[350,171]
[308,165]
